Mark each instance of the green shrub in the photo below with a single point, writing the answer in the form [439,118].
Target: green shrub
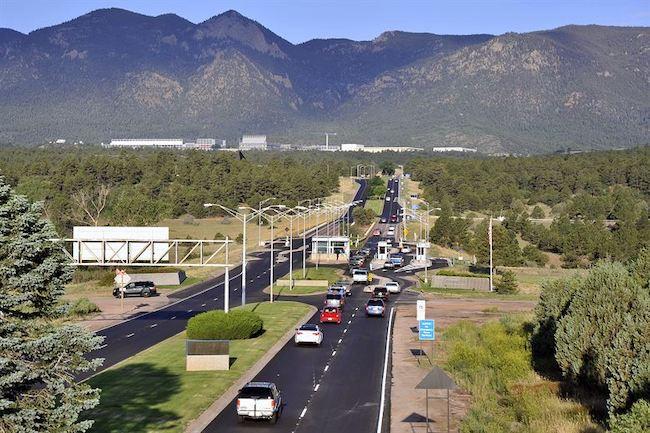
[537,213]
[602,339]
[637,419]
[240,238]
[533,254]
[218,325]
[219,236]
[507,284]
[553,303]
[457,273]
[82,307]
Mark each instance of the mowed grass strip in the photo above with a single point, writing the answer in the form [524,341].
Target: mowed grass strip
[332,275]
[152,392]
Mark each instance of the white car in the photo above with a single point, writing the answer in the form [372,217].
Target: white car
[309,333]
[387,198]
[259,400]
[406,249]
[393,287]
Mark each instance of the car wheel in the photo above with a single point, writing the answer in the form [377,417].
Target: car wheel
[274,418]
[146,293]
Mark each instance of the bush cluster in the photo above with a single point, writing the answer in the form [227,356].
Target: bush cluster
[596,328]
[82,307]
[218,325]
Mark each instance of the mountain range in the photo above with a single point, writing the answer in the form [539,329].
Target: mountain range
[113,73]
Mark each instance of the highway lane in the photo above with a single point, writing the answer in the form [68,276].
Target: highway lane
[334,388]
[131,337]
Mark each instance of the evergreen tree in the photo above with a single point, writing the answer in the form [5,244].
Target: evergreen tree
[507,284]
[39,356]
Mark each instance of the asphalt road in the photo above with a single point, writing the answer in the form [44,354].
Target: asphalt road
[128,338]
[334,388]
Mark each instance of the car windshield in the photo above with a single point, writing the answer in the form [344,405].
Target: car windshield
[380,289]
[255,392]
[330,310]
[391,284]
[333,296]
[309,327]
[360,272]
[375,303]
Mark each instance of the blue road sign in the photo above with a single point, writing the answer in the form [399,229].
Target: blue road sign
[427,330]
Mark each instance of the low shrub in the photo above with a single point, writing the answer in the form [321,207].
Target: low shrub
[637,419]
[218,325]
[458,273]
[82,307]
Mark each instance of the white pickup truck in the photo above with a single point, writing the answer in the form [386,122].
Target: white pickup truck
[360,276]
[259,400]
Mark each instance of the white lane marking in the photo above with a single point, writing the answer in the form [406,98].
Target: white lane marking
[203,305]
[236,289]
[356,308]
[345,330]
[304,411]
[259,276]
[327,367]
[102,346]
[340,339]
[153,326]
[334,353]
[349,321]
[383,380]
[354,314]
[130,335]
[252,280]
[173,317]
[316,387]
[214,299]
[189,311]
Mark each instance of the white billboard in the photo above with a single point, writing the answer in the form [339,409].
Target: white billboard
[124,244]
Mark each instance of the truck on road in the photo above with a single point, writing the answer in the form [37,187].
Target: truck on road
[360,276]
[259,400]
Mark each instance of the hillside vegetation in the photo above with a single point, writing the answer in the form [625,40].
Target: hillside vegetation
[113,73]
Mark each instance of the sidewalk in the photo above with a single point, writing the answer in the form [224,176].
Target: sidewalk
[407,414]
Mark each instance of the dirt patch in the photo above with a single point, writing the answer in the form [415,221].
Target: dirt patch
[407,412]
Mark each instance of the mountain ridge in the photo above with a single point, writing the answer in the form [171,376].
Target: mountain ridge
[115,72]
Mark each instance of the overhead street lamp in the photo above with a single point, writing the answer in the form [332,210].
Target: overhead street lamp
[279,211]
[244,218]
[259,223]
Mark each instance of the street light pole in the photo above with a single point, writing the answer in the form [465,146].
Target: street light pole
[259,225]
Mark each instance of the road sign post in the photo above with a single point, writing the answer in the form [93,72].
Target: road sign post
[121,279]
[427,333]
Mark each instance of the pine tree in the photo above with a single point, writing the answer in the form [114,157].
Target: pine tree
[39,355]
[507,284]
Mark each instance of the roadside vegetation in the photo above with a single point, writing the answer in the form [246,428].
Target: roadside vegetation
[580,364]
[579,208]
[329,273]
[152,391]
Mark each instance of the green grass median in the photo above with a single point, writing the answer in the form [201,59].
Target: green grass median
[152,392]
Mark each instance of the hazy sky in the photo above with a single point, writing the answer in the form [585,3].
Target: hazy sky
[301,20]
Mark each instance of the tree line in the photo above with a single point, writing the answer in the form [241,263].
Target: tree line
[141,187]
[608,220]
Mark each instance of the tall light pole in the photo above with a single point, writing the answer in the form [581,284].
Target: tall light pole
[259,223]
[291,214]
[490,243]
[244,218]
[278,210]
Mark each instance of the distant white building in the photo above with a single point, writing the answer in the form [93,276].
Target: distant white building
[453,149]
[253,142]
[353,147]
[175,143]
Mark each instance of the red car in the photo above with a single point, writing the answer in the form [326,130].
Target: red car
[330,315]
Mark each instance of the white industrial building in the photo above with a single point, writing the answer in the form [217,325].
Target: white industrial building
[253,142]
[353,147]
[168,143]
[453,149]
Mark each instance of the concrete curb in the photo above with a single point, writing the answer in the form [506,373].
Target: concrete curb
[202,422]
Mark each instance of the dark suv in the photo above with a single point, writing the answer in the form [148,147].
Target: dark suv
[138,288]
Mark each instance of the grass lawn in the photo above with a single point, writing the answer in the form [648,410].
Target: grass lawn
[297,290]
[332,275]
[375,205]
[152,392]
[464,293]
[531,279]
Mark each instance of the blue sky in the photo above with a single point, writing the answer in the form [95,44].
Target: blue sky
[301,20]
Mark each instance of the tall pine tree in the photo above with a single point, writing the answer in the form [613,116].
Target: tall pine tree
[39,353]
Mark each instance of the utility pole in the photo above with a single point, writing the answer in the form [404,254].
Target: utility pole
[490,244]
